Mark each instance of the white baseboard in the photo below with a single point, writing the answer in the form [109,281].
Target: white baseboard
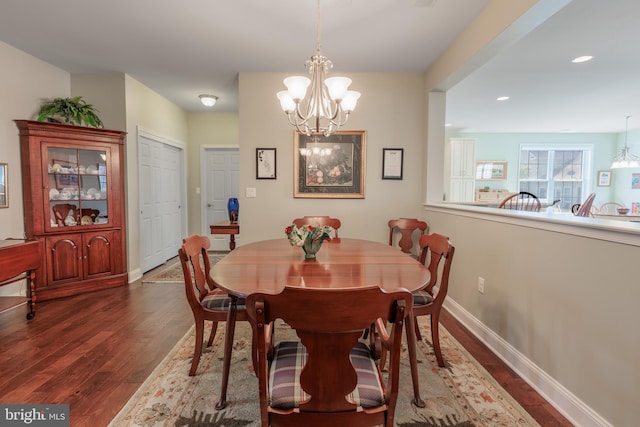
[135,275]
[576,411]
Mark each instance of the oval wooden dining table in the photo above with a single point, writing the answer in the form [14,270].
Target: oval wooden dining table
[270,265]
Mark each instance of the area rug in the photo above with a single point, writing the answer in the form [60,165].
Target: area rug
[174,273]
[463,394]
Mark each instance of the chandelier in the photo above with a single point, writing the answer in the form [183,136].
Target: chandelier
[625,159]
[329,102]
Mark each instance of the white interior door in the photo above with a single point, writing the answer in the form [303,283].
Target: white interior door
[161,218]
[170,203]
[220,181]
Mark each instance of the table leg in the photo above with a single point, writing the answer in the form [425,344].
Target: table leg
[32,295]
[232,242]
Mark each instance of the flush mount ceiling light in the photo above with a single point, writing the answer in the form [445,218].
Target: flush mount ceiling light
[625,159]
[208,100]
[329,103]
[502,98]
[580,59]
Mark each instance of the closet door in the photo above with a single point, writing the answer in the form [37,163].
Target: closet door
[160,201]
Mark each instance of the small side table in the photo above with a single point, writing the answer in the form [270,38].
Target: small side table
[227,227]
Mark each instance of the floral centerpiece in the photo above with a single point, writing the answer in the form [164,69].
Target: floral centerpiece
[308,237]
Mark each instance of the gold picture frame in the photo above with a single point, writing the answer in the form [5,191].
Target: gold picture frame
[330,167]
[491,171]
[4,185]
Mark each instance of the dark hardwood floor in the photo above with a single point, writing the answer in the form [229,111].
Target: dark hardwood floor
[93,351]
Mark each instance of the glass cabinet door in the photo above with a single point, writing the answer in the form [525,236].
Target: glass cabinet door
[77,186]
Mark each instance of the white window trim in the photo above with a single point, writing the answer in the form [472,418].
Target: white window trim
[588,160]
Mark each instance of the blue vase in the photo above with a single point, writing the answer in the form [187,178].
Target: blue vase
[234,208]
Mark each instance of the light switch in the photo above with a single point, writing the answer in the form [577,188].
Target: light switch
[251,192]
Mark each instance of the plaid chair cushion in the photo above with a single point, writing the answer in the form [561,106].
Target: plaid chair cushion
[289,359]
[220,301]
[422,298]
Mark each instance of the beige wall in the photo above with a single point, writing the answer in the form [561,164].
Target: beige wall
[126,104]
[206,130]
[24,82]
[148,110]
[559,300]
[390,111]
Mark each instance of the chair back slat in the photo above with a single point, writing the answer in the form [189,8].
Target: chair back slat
[406,227]
[436,247]
[196,267]
[329,324]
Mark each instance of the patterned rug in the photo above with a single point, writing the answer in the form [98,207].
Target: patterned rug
[174,273]
[463,394]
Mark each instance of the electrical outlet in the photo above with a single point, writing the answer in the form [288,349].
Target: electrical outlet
[481,285]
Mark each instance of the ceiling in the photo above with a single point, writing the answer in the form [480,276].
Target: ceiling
[183,49]
[549,93]
[202,45]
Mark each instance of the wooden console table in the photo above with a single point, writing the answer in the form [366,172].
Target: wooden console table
[18,261]
[227,227]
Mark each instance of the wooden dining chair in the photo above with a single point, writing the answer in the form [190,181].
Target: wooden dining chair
[610,208]
[426,301]
[407,227]
[208,302]
[584,209]
[330,376]
[522,201]
[319,221]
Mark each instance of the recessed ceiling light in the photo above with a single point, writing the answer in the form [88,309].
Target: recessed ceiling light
[584,58]
[502,98]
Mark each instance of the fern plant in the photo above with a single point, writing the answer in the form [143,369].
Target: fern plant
[74,111]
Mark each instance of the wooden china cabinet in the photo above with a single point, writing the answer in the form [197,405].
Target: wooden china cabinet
[73,185]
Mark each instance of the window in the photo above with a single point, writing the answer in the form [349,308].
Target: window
[556,173]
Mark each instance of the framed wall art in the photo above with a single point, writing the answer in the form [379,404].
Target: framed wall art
[604,178]
[491,170]
[635,180]
[266,163]
[4,185]
[392,159]
[330,167]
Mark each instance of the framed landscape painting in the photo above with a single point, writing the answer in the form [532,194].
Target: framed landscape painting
[491,170]
[330,166]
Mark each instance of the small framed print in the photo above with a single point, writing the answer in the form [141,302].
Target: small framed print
[265,163]
[604,178]
[392,159]
[635,180]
